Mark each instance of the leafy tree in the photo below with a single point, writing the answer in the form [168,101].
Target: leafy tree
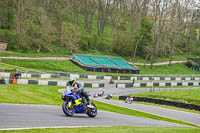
[71,37]
[122,44]
[40,32]
[143,38]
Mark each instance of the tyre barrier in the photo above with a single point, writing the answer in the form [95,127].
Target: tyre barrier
[52,83]
[2,81]
[164,102]
[88,76]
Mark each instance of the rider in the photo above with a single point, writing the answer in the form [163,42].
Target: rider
[74,86]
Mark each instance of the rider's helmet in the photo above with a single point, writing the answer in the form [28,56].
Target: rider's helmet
[72,81]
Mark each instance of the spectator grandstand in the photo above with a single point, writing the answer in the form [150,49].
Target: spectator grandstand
[103,64]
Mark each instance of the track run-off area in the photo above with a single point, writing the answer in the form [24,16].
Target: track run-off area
[23,116]
[19,116]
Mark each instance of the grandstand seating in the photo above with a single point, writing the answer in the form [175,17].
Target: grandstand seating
[87,61]
[102,61]
[121,63]
[103,64]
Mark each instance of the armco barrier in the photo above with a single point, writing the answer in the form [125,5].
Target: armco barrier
[139,84]
[164,102]
[53,83]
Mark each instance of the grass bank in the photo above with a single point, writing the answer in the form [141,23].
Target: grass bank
[46,65]
[68,66]
[190,96]
[32,54]
[167,69]
[49,95]
[158,105]
[53,66]
[118,129]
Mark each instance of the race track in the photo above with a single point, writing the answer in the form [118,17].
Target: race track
[16,116]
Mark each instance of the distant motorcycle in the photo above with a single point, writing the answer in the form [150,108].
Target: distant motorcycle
[108,97]
[129,100]
[98,94]
[75,103]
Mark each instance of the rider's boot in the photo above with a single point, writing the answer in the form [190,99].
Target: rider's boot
[89,104]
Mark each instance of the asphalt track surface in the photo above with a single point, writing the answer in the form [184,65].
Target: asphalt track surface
[164,112]
[20,116]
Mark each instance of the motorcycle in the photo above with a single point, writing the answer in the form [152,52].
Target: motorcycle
[98,94]
[129,100]
[75,103]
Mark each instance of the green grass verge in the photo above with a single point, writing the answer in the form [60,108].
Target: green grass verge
[30,94]
[49,95]
[122,110]
[68,66]
[158,105]
[65,66]
[167,69]
[11,68]
[168,107]
[7,67]
[55,66]
[190,96]
[32,54]
[117,129]
[176,57]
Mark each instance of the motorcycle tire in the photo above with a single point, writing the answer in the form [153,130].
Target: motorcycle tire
[68,111]
[92,112]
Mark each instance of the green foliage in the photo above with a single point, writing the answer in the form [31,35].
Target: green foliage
[197,47]
[122,44]
[39,31]
[37,27]
[85,41]
[143,37]
[6,14]
[192,64]
[189,63]
[71,37]
[9,37]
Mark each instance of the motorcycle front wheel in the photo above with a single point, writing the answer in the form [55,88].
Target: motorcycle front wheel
[68,108]
[91,110]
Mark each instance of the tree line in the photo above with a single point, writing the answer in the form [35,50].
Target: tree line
[145,28]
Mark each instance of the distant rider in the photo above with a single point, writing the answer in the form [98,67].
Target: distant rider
[73,86]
